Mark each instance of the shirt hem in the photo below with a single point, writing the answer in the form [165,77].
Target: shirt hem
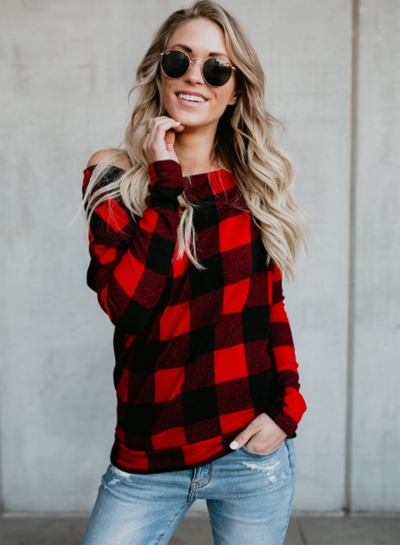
[223,452]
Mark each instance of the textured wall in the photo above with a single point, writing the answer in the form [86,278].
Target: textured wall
[375,426]
[66,72]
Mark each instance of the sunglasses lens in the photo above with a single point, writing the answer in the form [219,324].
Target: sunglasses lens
[175,63]
[217,71]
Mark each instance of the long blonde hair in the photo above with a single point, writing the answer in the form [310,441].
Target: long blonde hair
[243,143]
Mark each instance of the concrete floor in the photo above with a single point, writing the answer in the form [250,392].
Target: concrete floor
[196,530]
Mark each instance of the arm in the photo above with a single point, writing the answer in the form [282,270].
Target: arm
[289,404]
[131,262]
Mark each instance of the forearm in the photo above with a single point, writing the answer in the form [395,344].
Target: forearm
[131,263]
[289,405]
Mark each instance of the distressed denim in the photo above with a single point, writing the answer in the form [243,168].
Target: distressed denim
[248,495]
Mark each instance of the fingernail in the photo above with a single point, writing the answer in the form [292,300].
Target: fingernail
[234,445]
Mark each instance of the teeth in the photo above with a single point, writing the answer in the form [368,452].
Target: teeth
[193,98]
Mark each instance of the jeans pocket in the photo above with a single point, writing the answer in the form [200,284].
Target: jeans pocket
[260,454]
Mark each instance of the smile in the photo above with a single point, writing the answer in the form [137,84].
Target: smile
[192,98]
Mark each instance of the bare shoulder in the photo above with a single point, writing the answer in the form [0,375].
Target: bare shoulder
[103,154]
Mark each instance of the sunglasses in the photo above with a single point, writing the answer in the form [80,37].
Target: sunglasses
[216,72]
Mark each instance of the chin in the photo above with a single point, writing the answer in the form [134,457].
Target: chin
[188,119]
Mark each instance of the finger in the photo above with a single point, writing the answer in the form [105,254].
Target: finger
[170,140]
[238,443]
[158,134]
[241,440]
[158,129]
[148,130]
[170,136]
[155,122]
[166,124]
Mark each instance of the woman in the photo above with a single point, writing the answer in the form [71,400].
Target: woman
[190,228]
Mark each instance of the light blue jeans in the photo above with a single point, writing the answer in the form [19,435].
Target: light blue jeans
[249,500]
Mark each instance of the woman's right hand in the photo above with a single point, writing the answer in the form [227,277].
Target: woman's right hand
[160,138]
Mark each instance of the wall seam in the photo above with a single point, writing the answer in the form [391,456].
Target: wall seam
[351,249]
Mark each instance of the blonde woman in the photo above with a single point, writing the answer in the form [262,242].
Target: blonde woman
[191,227]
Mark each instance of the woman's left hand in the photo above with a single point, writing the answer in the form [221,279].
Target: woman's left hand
[262,435]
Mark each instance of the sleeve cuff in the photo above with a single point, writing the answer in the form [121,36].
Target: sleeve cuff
[166,171]
[287,424]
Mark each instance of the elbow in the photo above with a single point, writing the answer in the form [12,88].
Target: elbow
[133,320]
[123,310]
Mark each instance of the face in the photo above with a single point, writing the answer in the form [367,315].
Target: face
[199,38]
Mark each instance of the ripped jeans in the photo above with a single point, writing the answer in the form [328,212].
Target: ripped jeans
[249,500]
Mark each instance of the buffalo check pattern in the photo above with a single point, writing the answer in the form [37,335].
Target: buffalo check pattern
[199,353]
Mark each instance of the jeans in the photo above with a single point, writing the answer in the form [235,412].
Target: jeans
[249,500]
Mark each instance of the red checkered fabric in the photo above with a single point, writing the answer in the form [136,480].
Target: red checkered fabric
[199,354]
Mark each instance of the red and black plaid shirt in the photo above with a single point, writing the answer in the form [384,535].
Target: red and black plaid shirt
[199,354]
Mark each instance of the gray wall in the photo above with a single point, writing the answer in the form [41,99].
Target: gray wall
[332,79]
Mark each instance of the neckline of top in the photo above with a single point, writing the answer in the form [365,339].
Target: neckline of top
[92,167]
[200,175]
[205,174]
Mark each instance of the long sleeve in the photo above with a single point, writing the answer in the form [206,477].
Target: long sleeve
[289,405]
[130,262]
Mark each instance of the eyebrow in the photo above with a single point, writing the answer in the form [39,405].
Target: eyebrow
[189,50]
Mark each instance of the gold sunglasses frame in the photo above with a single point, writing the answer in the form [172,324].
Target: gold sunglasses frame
[190,64]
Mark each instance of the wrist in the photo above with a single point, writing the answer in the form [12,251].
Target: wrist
[167,170]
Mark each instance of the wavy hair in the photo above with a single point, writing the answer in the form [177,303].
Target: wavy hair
[243,143]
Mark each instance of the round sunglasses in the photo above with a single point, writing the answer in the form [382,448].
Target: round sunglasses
[216,71]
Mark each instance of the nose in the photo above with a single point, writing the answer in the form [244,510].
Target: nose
[194,74]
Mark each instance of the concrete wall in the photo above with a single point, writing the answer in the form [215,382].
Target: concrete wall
[66,72]
[375,425]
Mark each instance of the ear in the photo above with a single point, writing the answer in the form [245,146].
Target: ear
[233,99]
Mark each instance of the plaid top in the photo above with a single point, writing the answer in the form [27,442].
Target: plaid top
[199,354]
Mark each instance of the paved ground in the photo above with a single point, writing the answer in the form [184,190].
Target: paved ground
[196,530]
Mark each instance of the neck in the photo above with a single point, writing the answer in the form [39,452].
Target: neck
[193,149]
